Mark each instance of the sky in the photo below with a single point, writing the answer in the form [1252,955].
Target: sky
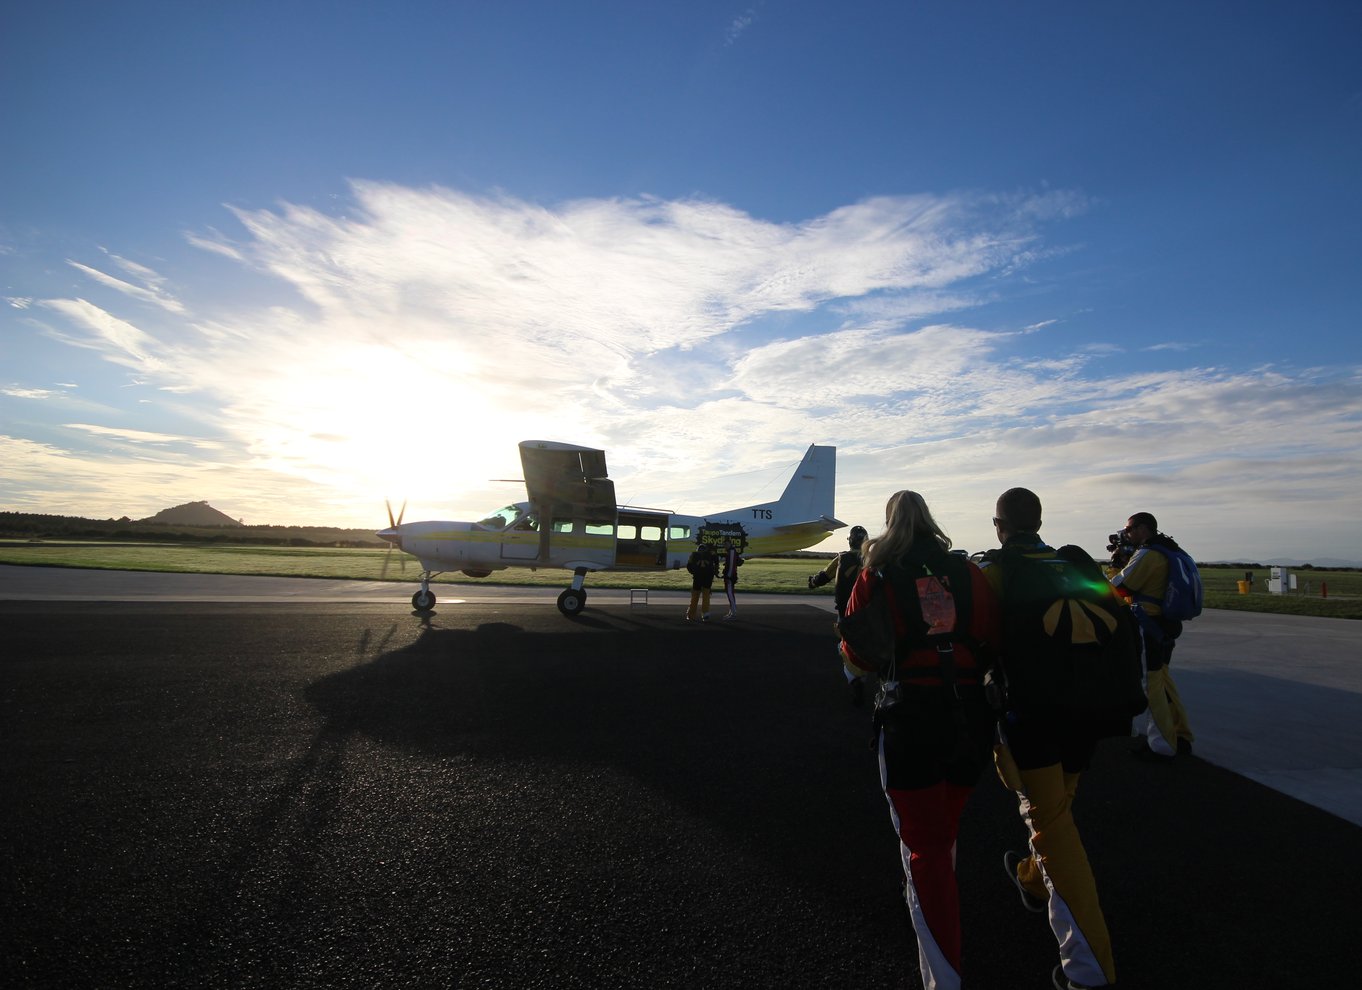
[298,258]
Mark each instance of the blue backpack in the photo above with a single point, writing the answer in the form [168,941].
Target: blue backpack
[1182,597]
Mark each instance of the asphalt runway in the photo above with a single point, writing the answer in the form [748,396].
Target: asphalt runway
[340,794]
[1274,697]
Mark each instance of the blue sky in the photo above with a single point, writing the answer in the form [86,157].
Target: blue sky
[294,258]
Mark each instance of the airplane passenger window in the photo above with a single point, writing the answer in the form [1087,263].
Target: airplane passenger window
[628,532]
[652,532]
[679,533]
[600,529]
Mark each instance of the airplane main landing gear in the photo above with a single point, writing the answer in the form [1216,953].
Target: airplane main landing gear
[573,600]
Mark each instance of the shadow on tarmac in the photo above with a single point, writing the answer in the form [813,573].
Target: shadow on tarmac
[693,722]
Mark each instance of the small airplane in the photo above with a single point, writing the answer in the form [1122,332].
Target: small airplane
[571,521]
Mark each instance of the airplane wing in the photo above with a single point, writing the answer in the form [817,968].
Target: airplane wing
[567,476]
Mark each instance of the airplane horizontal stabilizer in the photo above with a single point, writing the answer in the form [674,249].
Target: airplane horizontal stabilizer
[826,522]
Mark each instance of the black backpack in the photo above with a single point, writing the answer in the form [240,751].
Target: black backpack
[935,600]
[702,565]
[1069,642]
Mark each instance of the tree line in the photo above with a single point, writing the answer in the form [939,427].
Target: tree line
[38,526]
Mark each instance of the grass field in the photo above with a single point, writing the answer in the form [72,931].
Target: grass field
[771,576]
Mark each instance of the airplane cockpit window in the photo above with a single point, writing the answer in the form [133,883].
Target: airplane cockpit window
[528,524]
[501,518]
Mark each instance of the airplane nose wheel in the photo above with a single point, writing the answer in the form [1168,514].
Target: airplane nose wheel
[572,601]
[423,600]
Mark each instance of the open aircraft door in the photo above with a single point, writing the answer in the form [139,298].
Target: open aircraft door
[641,539]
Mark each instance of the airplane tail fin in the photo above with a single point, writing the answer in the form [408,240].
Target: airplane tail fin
[801,517]
[810,493]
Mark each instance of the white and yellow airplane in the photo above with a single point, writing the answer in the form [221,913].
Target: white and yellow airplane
[571,521]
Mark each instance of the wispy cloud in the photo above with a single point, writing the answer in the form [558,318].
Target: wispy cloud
[118,339]
[739,25]
[143,436]
[152,293]
[213,242]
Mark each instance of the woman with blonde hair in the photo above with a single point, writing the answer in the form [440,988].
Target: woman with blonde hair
[934,728]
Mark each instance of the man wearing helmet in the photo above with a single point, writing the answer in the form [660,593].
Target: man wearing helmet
[843,569]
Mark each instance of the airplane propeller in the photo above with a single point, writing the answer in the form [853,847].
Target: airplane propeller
[393,534]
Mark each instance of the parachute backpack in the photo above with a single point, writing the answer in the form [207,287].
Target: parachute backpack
[1182,597]
[1069,642]
[929,609]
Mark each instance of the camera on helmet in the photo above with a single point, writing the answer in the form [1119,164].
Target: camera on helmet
[1120,548]
[1119,542]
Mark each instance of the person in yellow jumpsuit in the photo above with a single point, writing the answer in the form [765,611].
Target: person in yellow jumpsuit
[702,566]
[1167,731]
[1040,755]
[842,570]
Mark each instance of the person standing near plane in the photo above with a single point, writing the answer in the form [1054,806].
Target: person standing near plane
[732,561]
[933,725]
[702,565]
[842,570]
[1144,579]
[1041,753]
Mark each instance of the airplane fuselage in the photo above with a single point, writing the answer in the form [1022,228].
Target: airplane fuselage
[637,540]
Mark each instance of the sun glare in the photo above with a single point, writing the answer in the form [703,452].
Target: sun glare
[370,423]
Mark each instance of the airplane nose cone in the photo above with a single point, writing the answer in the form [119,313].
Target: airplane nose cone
[393,535]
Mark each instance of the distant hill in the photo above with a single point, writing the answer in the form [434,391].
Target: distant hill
[191,514]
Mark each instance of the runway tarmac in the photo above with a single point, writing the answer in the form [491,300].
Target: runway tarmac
[294,785]
[1276,698]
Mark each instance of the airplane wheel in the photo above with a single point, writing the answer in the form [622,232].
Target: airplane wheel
[572,601]
[423,601]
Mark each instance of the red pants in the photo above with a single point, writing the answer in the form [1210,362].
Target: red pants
[927,820]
